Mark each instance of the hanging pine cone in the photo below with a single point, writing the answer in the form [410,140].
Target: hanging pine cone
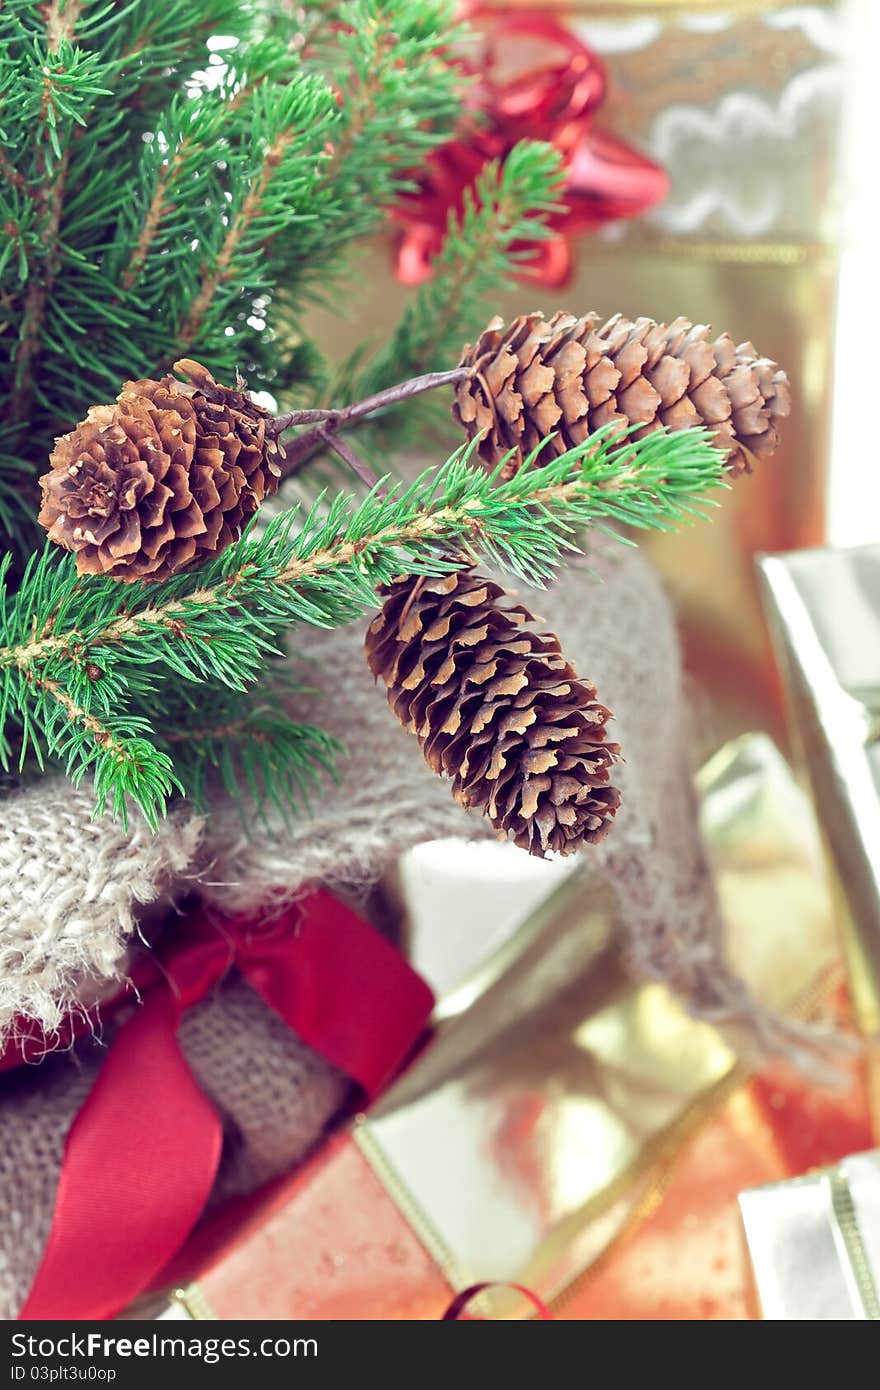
[565,374]
[497,708]
[161,481]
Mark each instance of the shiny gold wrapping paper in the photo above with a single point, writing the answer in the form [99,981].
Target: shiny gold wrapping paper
[526,1137]
[824,607]
[551,1131]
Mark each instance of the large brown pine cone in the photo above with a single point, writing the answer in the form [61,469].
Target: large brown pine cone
[497,708]
[162,480]
[536,376]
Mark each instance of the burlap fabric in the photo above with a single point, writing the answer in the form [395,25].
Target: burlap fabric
[71,888]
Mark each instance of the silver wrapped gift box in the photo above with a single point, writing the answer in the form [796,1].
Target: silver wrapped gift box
[814,1243]
[824,611]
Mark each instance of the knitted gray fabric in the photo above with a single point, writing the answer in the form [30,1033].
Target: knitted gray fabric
[69,888]
[274,1095]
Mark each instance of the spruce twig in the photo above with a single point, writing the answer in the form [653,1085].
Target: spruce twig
[224,267]
[76,651]
[524,524]
[60,17]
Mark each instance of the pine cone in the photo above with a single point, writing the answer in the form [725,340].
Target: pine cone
[497,708]
[161,481]
[565,374]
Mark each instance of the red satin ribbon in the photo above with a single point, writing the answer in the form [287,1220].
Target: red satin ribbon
[532,78]
[142,1154]
[459,1303]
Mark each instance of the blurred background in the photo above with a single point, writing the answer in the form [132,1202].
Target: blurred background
[762,115]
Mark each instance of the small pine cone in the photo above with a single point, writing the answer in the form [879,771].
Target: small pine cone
[496,707]
[162,480]
[565,374]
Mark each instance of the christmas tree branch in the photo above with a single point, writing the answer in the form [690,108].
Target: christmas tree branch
[60,17]
[251,747]
[68,84]
[9,172]
[224,267]
[84,662]
[507,208]
[524,524]
[39,288]
[159,206]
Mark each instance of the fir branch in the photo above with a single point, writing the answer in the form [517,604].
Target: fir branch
[10,173]
[124,765]
[87,648]
[388,58]
[268,763]
[39,288]
[60,18]
[224,267]
[160,204]
[523,524]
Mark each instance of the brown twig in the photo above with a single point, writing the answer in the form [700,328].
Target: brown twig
[354,461]
[331,422]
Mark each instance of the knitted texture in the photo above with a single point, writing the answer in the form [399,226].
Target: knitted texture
[274,1096]
[70,887]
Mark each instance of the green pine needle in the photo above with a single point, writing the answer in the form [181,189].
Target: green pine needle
[75,651]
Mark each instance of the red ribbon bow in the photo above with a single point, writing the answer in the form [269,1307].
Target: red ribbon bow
[141,1156]
[533,79]
[455,1311]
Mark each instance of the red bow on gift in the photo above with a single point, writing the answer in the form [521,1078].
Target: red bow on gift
[533,80]
[141,1156]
